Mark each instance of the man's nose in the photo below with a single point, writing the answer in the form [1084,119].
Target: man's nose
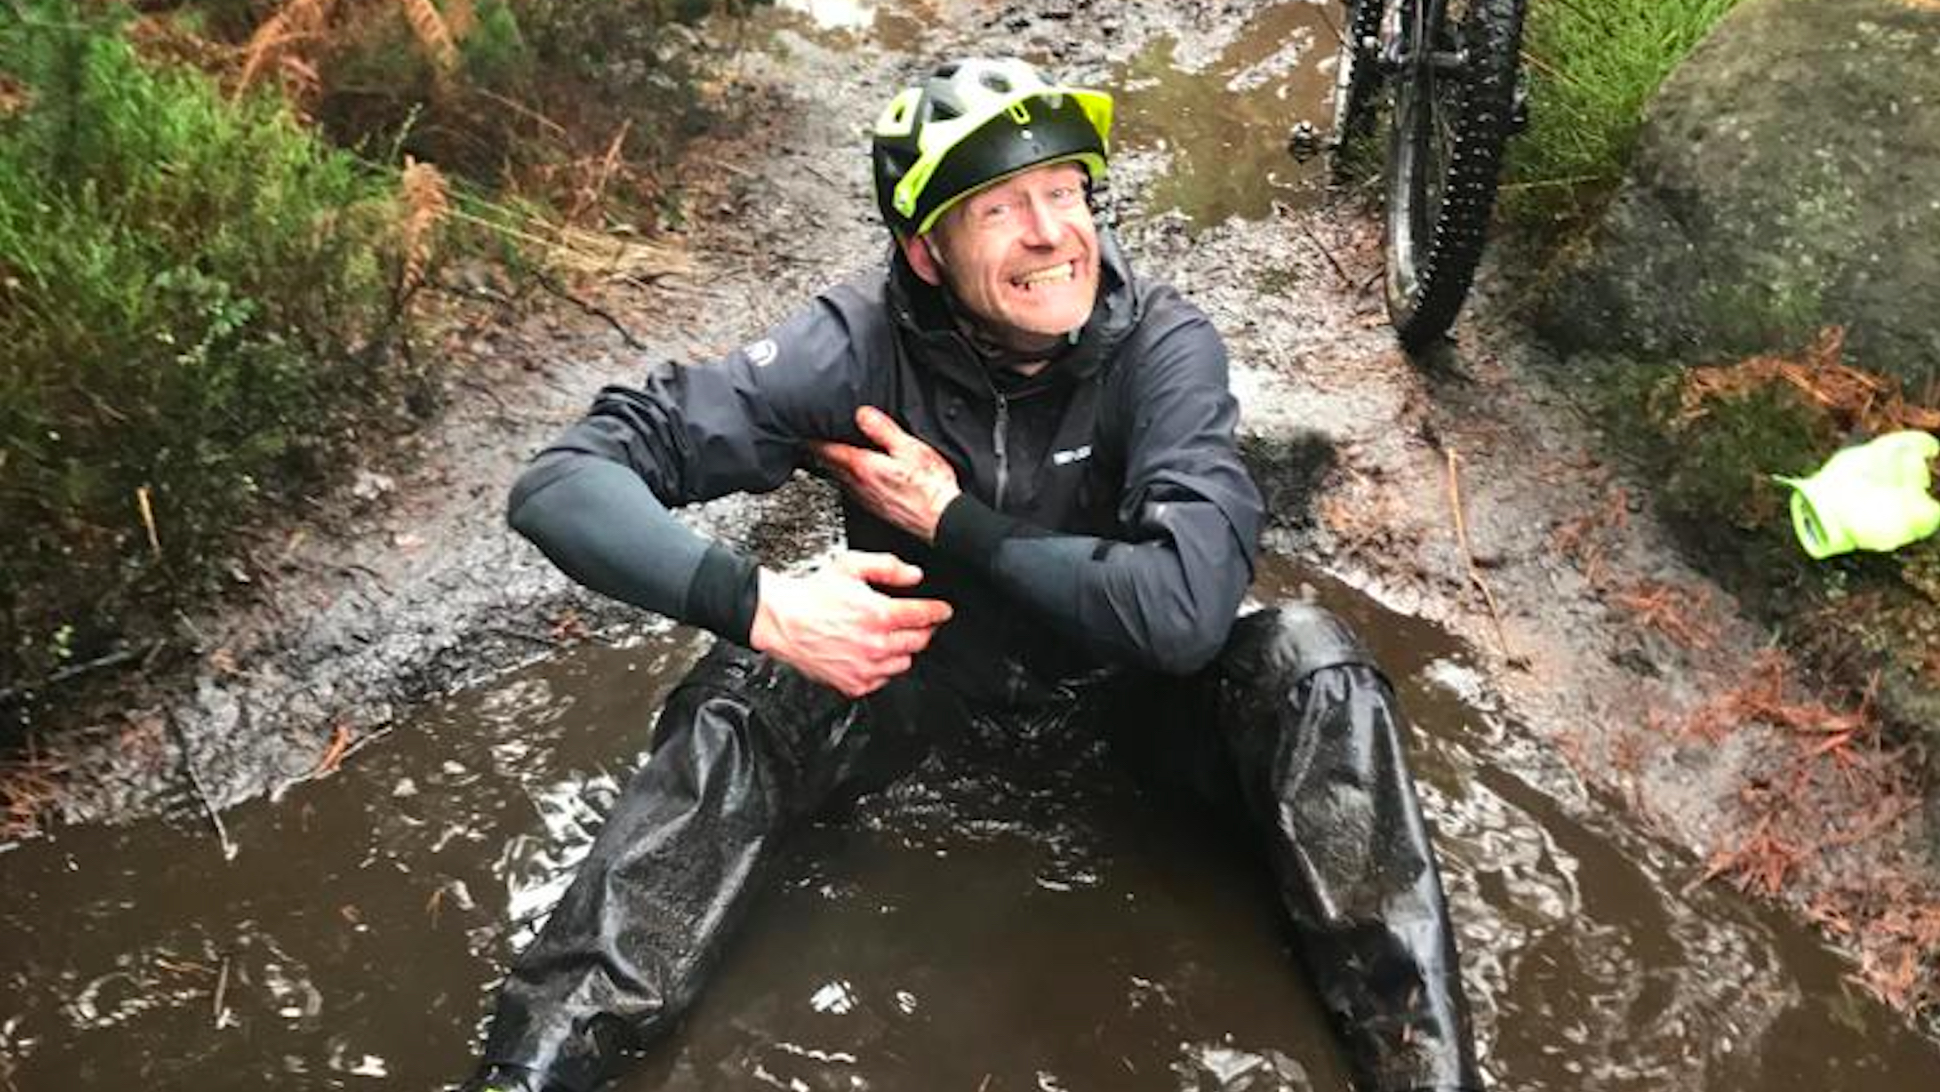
[1040,224]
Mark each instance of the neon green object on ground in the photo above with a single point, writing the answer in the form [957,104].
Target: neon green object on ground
[1876,496]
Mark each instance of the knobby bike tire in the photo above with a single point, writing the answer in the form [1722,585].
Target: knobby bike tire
[1432,253]
[1356,79]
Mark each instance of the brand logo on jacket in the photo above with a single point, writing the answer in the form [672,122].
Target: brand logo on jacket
[1073,455]
[761,353]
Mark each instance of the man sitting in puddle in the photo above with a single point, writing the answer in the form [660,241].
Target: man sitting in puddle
[1047,518]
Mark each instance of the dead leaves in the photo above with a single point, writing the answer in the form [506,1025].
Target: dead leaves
[1670,609]
[14,97]
[1841,787]
[1761,863]
[1763,698]
[426,197]
[434,35]
[30,784]
[1856,400]
[274,47]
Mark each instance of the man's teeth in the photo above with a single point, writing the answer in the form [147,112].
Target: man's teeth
[1062,272]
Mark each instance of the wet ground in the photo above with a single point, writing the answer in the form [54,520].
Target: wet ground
[1036,924]
[1030,924]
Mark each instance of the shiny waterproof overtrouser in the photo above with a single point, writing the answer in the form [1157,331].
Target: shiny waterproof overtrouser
[1293,724]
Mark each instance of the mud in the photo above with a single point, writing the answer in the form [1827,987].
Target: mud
[376,604]
[1028,899]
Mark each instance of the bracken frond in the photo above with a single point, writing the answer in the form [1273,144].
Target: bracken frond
[13,96]
[427,202]
[433,33]
[1859,399]
[295,21]
[461,16]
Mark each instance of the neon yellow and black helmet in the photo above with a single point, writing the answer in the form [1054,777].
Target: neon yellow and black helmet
[977,121]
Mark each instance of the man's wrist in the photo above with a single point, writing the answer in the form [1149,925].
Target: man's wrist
[941,505]
[724,594]
[970,530]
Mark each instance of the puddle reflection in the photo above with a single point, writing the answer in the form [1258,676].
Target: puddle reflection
[1222,126]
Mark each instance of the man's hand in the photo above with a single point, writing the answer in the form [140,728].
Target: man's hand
[906,483]
[833,627]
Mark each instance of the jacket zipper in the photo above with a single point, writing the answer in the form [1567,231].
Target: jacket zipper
[1000,440]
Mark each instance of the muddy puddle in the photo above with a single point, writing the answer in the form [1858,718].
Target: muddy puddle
[1221,121]
[1026,925]
[1215,118]
[897,26]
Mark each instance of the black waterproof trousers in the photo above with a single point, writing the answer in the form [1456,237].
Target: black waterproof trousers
[1293,723]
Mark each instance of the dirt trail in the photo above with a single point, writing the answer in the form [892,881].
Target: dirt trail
[1599,640]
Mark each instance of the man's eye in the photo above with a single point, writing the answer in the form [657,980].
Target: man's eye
[995,212]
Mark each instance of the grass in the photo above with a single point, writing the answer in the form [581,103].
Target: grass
[1593,66]
[197,297]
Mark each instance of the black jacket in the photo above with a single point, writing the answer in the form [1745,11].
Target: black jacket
[1106,517]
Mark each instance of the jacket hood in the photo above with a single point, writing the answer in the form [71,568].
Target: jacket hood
[927,323]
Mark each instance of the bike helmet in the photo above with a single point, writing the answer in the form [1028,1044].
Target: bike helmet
[977,121]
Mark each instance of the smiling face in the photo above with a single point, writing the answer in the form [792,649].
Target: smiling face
[1021,256]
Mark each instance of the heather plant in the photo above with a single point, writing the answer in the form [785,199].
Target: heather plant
[197,300]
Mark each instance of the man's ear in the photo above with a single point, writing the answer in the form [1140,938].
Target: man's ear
[920,252]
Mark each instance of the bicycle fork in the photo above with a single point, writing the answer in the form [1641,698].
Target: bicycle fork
[1401,44]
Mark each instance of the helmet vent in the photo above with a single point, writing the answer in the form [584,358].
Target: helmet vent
[996,81]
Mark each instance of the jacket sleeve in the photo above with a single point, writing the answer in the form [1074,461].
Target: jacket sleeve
[596,502]
[1165,598]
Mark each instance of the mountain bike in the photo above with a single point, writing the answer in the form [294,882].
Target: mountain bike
[1445,74]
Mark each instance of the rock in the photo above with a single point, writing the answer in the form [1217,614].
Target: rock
[371,485]
[1784,181]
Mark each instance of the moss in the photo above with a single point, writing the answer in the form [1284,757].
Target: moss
[1870,621]
[1919,566]
[1277,281]
[1761,309]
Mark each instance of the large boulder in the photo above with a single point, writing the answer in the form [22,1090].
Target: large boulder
[1787,178]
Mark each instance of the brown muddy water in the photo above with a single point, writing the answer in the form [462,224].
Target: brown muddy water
[1222,121]
[1215,119]
[1031,923]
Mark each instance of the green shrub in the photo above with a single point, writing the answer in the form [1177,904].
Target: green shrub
[1593,66]
[194,293]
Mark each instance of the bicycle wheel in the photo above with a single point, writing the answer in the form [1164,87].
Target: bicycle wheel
[1454,110]
[1356,76]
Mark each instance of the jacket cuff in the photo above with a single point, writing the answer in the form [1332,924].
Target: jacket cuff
[970,531]
[723,595]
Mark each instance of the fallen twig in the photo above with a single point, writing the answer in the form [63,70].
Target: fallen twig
[222,989]
[333,753]
[591,308]
[1326,253]
[201,793]
[821,174]
[113,659]
[148,521]
[1468,555]
[522,635]
[731,168]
